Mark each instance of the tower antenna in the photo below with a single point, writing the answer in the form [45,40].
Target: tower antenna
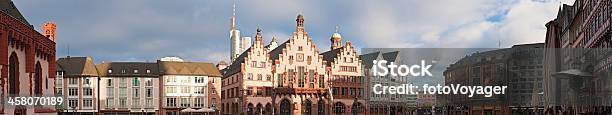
[233,18]
[68,50]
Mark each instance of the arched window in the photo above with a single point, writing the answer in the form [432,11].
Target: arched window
[339,108]
[38,80]
[13,85]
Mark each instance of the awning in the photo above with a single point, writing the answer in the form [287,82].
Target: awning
[188,110]
[572,73]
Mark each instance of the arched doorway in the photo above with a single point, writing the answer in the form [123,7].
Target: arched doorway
[307,107]
[259,109]
[268,109]
[250,109]
[285,107]
[38,80]
[357,108]
[339,108]
[321,107]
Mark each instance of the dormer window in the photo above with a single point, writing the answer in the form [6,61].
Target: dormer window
[123,71]
[110,71]
[135,71]
[148,71]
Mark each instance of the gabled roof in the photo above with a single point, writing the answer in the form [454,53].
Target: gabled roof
[235,66]
[274,54]
[126,69]
[330,55]
[77,66]
[390,56]
[9,8]
[367,59]
[188,68]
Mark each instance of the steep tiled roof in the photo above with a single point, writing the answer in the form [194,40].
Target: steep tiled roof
[235,66]
[77,66]
[367,59]
[9,8]
[330,55]
[126,69]
[188,68]
[274,54]
[390,56]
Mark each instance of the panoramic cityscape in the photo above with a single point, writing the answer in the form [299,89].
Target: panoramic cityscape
[268,61]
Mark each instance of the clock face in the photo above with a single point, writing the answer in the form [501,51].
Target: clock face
[300,57]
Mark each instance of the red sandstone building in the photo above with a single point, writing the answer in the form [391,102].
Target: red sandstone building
[27,60]
[294,78]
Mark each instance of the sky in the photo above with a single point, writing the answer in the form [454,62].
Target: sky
[198,30]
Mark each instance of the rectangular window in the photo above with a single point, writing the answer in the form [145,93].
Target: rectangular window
[171,102]
[214,90]
[170,89]
[73,92]
[73,103]
[149,92]
[110,92]
[110,102]
[87,91]
[213,102]
[185,102]
[123,92]
[197,102]
[279,80]
[311,75]
[290,75]
[250,76]
[199,90]
[135,103]
[301,76]
[87,103]
[86,81]
[200,79]
[262,64]
[259,77]
[135,92]
[122,102]
[109,82]
[59,91]
[123,83]
[185,89]
[171,79]
[72,81]
[249,91]
[135,82]
[149,82]
[321,81]
[268,77]
[149,103]
[59,82]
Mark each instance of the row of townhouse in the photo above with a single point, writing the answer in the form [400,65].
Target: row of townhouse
[163,87]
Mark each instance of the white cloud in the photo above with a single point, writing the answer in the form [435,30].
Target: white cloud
[525,21]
